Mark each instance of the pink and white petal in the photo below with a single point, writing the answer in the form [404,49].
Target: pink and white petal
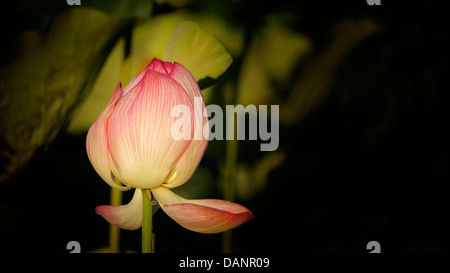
[127,216]
[182,75]
[135,81]
[191,158]
[168,66]
[140,138]
[160,66]
[97,142]
[205,215]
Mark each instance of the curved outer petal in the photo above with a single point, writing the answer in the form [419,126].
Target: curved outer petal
[205,215]
[97,142]
[139,131]
[191,158]
[135,81]
[127,216]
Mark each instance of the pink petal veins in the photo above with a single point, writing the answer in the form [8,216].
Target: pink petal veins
[205,215]
[97,141]
[191,158]
[139,131]
[159,66]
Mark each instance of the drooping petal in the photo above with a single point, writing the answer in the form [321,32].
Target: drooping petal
[127,216]
[97,142]
[142,147]
[205,215]
[191,158]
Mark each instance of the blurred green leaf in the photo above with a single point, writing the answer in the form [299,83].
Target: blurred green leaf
[174,3]
[315,81]
[135,8]
[143,48]
[206,82]
[198,51]
[50,75]
[273,54]
[106,82]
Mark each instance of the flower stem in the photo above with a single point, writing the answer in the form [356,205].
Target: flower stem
[147,237]
[229,173]
[229,186]
[114,232]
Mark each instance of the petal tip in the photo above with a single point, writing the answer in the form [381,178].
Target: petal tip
[125,216]
[106,212]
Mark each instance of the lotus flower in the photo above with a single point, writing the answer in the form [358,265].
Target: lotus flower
[132,141]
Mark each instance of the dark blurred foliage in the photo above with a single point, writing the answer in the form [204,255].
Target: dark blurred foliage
[371,162]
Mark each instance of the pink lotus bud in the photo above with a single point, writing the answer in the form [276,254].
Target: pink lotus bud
[133,140]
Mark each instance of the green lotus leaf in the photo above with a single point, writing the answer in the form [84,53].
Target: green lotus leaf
[49,75]
[198,51]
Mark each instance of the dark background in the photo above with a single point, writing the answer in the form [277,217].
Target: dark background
[371,162]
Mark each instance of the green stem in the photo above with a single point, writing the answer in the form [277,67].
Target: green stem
[229,174]
[231,154]
[229,186]
[230,169]
[147,237]
[114,232]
